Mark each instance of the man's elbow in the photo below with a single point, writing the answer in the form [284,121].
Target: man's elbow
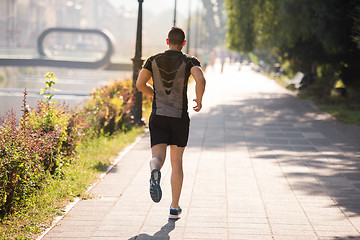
[139,86]
[202,81]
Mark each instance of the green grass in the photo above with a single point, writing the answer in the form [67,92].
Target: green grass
[342,113]
[37,213]
[342,109]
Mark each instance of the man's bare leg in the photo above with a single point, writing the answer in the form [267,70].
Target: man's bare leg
[176,156]
[157,161]
[158,156]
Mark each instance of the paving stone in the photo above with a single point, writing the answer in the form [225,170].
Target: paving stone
[248,236]
[291,132]
[305,149]
[67,238]
[296,237]
[105,238]
[277,141]
[56,233]
[308,131]
[201,235]
[299,142]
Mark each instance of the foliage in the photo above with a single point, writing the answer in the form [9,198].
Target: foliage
[51,80]
[51,153]
[37,213]
[337,106]
[299,32]
[44,140]
[241,20]
[57,132]
[356,27]
[213,32]
[19,167]
[109,109]
[343,113]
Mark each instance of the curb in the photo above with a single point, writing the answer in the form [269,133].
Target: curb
[77,200]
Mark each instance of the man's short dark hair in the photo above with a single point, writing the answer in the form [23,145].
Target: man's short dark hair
[176,36]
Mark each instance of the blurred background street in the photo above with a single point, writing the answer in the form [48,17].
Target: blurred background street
[23,21]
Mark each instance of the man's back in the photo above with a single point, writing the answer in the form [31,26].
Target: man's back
[170,71]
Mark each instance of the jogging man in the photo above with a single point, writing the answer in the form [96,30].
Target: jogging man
[169,120]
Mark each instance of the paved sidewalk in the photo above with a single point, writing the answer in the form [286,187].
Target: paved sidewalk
[261,164]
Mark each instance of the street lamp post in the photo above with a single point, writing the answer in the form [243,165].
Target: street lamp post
[137,65]
[175,14]
[188,30]
[197,27]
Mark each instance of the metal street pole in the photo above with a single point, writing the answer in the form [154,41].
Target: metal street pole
[197,27]
[175,14]
[137,65]
[188,30]
[8,20]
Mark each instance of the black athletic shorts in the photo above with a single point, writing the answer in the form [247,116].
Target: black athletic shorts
[169,130]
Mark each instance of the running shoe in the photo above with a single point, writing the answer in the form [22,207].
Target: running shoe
[155,190]
[175,213]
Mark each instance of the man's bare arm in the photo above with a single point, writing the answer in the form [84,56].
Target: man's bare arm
[200,83]
[142,82]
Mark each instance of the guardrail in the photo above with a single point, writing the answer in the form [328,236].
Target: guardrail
[44,60]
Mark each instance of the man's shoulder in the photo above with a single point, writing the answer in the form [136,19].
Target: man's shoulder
[177,54]
[194,61]
[170,55]
[188,57]
[157,55]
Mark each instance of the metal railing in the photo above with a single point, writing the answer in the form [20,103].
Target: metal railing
[44,60]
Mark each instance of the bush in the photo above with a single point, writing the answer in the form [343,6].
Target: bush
[19,167]
[109,109]
[56,133]
[40,144]
[44,142]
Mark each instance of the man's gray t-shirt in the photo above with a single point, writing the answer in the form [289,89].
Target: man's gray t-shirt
[170,72]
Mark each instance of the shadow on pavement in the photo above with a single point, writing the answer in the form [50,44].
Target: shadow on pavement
[162,234]
[347,238]
[289,132]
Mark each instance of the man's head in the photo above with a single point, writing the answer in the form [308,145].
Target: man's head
[176,37]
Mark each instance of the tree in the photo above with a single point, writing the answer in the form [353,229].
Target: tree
[215,19]
[241,25]
[356,27]
[307,33]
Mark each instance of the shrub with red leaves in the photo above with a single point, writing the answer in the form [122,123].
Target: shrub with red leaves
[109,109]
[44,140]
[20,168]
[46,137]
